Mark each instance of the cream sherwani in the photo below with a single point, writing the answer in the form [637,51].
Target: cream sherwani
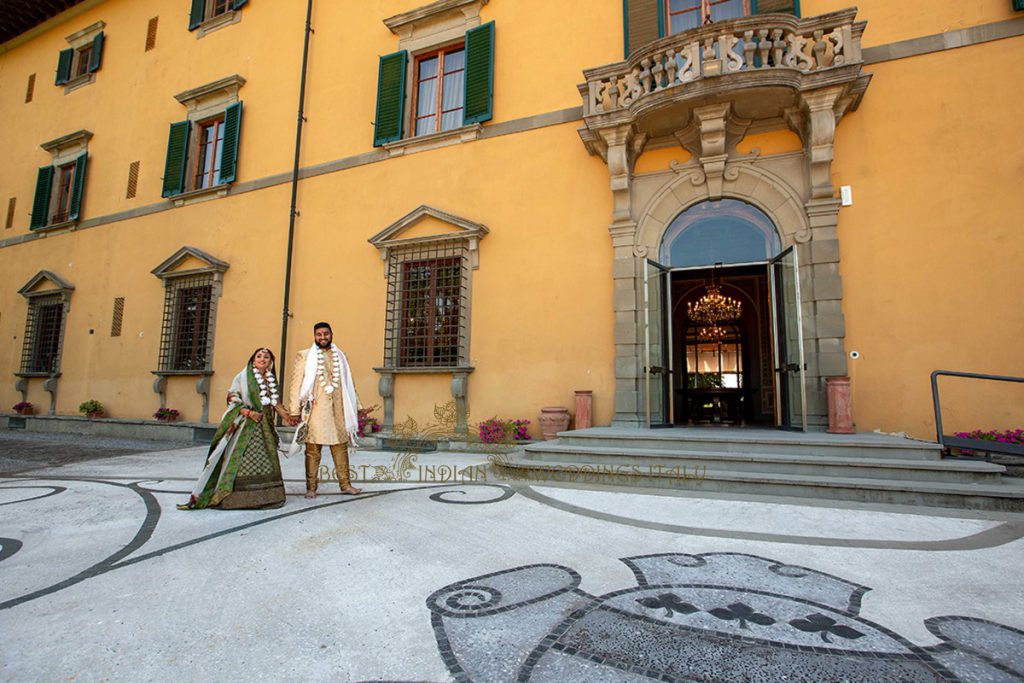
[327,420]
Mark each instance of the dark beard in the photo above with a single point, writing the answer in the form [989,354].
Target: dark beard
[323,344]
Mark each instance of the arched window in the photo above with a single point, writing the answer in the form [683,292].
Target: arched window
[726,231]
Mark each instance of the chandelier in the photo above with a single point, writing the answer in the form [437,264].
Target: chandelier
[714,307]
[713,333]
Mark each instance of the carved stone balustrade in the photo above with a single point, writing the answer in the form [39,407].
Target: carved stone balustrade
[758,64]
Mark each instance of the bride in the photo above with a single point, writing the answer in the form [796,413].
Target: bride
[242,467]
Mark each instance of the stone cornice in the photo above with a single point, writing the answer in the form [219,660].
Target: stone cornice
[78,138]
[228,86]
[400,22]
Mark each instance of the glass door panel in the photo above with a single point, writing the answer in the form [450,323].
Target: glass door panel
[790,369]
[657,345]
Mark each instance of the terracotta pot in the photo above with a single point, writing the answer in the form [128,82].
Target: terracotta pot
[840,406]
[25,411]
[553,420]
[94,414]
[584,406]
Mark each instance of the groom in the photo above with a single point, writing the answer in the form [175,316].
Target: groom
[321,375]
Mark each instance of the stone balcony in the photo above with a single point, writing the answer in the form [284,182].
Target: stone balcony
[762,66]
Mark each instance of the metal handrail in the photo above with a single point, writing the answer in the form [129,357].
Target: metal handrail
[948,441]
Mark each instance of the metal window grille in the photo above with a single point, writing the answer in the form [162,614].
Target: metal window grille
[41,351]
[185,335]
[151,33]
[118,317]
[427,323]
[133,180]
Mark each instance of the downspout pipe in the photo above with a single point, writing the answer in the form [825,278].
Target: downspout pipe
[293,211]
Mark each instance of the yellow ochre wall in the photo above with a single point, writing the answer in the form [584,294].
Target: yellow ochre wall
[932,246]
[931,156]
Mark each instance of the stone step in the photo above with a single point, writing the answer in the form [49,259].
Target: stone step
[755,441]
[815,465]
[1008,495]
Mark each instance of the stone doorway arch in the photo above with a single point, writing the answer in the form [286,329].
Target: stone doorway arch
[779,188]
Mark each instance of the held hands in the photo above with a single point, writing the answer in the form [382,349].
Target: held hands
[253,415]
[293,420]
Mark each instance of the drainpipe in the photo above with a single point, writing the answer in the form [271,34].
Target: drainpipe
[293,212]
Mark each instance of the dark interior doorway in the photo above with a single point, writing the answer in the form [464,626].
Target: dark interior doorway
[725,379]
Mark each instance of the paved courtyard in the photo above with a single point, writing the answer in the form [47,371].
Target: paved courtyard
[440,571]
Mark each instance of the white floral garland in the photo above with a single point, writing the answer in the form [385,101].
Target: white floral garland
[268,388]
[321,370]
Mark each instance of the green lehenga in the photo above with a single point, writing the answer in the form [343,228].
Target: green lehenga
[242,467]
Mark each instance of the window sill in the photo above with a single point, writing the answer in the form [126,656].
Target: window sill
[182,373]
[232,16]
[426,371]
[33,375]
[201,195]
[54,227]
[79,82]
[422,143]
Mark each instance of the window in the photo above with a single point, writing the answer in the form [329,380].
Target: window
[41,352]
[82,60]
[60,187]
[428,291]
[686,14]
[62,198]
[76,64]
[207,12]
[427,295]
[431,306]
[186,326]
[202,151]
[209,150]
[440,82]
[49,298]
[647,20]
[452,79]
[192,285]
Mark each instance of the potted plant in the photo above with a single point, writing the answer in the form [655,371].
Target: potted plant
[368,425]
[166,414]
[24,408]
[91,408]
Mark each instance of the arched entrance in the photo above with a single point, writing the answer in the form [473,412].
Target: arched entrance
[718,347]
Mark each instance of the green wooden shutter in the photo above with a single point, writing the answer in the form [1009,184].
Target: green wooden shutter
[97,54]
[177,154]
[642,21]
[78,188]
[64,66]
[775,7]
[197,14]
[478,100]
[1018,5]
[41,202]
[229,151]
[238,4]
[390,98]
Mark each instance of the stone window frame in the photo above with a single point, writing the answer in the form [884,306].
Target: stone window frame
[211,273]
[396,250]
[203,104]
[61,289]
[437,26]
[213,22]
[64,151]
[79,41]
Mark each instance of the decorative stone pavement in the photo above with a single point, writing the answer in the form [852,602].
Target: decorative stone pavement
[441,572]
